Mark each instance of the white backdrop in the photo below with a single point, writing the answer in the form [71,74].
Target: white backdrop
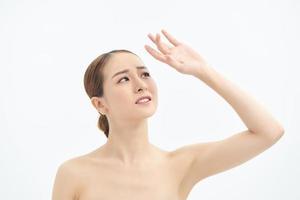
[46,116]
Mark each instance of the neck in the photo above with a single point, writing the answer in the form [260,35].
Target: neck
[128,143]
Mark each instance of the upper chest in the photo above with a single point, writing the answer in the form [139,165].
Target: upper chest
[158,181]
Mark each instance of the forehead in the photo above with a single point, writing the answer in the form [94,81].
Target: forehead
[120,61]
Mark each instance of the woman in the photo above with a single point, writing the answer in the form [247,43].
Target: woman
[128,166]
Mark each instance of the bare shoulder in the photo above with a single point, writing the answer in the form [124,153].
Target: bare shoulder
[67,180]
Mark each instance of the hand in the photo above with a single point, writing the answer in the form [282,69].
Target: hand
[180,56]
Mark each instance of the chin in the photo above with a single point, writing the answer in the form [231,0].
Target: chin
[144,114]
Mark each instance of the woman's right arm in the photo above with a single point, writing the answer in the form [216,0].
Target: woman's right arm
[64,187]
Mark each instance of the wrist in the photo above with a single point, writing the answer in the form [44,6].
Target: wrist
[202,71]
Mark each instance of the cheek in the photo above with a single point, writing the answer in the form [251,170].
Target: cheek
[120,97]
[153,88]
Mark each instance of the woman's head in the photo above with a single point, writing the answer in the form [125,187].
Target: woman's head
[114,94]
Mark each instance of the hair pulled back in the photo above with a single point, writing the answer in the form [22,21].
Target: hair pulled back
[93,83]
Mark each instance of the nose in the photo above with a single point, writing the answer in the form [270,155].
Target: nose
[140,85]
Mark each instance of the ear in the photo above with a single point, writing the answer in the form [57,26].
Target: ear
[98,103]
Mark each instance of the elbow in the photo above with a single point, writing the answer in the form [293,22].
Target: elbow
[273,134]
[281,132]
[277,134]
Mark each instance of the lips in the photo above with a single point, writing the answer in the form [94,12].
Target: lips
[143,97]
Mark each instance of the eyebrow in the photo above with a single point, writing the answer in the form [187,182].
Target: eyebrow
[127,70]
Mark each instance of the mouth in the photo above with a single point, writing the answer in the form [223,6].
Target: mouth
[143,100]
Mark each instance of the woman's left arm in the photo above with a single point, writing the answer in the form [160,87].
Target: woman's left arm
[255,116]
[187,61]
[207,158]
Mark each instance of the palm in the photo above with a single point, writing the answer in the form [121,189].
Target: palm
[180,56]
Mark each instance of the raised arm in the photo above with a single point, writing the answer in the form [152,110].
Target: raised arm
[256,118]
[208,158]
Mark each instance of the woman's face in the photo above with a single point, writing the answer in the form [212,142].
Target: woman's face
[121,90]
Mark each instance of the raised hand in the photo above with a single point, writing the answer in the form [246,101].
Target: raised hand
[178,55]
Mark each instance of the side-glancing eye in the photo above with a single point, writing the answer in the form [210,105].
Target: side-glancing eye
[146,73]
[122,79]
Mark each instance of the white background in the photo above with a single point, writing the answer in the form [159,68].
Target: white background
[46,116]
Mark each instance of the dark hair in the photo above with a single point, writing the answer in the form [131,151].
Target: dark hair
[93,82]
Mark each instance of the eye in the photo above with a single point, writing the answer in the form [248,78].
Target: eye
[122,79]
[145,73]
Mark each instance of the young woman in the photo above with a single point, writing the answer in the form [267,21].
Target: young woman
[128,166]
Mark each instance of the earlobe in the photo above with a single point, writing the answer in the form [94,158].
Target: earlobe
[100,112]
[97,103]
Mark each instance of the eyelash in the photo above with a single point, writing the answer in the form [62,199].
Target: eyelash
[148,74]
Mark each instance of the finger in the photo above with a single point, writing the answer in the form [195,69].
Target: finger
[170,38]
[162,46]
[152,38]
[155,53]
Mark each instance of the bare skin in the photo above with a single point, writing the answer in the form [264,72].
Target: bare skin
[139,170]
[95,176]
